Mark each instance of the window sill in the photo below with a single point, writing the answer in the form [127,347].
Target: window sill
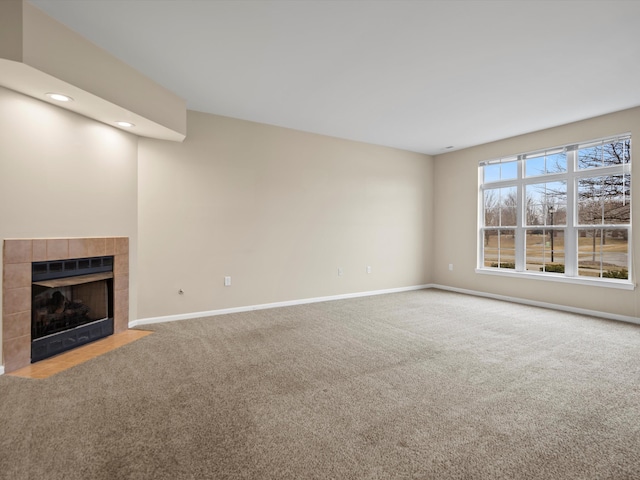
[550,277]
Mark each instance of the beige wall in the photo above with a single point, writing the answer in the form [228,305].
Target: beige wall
[456,210]
[279,211]
[63,175]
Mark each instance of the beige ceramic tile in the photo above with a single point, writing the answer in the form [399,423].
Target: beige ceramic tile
[87,247]
[121,310]
[57,248]
[17,251]
[78,248]
[121,300]
[39,250]
[121,282]
[110,246]
[16,300]
[121,264]
[17,275]
[17,353]
[121,322]
[16,325]
[96,247]
[122,245]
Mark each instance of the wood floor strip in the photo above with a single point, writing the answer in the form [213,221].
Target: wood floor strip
[64,361]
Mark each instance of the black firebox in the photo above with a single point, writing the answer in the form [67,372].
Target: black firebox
[71,304]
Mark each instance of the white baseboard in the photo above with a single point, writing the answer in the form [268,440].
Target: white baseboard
[249,308]
[1,369]
[264,306]
[533,303]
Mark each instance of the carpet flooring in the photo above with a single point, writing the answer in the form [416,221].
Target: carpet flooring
[415,385]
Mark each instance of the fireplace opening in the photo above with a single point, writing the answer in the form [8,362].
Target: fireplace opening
[71,304]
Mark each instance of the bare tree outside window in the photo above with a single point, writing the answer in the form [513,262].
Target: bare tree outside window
[593,179]
[604,200]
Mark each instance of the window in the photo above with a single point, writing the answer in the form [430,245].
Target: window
[559,213]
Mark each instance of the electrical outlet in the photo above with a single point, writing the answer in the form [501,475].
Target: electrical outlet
[451,267]
[339,271]
[368,268]
[227,281]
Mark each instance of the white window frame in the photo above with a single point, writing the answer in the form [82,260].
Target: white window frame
[571,177]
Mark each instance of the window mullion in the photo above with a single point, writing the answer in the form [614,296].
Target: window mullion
[520,221]
[571,233]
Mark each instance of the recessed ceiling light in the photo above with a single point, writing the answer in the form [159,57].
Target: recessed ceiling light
[59,97]
[125,124]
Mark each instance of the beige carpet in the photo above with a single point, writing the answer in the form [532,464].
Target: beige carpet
[426,384]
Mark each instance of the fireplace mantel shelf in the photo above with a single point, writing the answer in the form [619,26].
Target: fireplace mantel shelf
[79,280]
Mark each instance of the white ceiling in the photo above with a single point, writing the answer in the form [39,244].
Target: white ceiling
[416,75]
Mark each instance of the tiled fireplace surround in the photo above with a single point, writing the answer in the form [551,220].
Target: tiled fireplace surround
[16,285]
